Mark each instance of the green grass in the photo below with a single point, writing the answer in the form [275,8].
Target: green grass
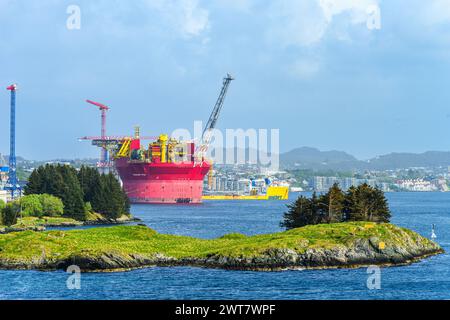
[126,240]
[29,222]
[32,222]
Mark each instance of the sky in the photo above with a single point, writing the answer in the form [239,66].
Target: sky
[331,74]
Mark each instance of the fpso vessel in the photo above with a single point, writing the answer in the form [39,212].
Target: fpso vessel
[164,172]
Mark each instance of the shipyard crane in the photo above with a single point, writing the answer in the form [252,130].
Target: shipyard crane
[104,153]
[13,184]
[211,124]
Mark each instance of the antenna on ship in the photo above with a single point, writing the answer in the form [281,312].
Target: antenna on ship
[433,233]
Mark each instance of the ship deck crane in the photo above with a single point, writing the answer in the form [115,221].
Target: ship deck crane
[211,124]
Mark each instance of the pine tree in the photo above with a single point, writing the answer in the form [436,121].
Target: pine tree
[34,185]
[114,203]
[76,189]
[89,179]
[72,195]
[332,205]
[365,203]
[298,215]
[362,203]
[380,209]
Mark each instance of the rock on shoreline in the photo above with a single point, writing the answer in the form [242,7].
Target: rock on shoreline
[405,247]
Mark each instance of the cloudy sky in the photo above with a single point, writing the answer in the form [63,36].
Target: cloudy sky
[327,73]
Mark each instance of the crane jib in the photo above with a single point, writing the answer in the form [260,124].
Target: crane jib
[211,124]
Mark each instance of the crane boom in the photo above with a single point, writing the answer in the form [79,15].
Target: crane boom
[97,104]
[211,124]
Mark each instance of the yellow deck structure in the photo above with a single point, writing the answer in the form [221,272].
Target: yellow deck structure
[273,193]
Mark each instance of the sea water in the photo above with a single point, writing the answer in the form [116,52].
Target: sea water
[429,279]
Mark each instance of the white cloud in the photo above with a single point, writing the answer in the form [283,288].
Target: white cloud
[305,23]
[356,8]
[297,22]
[238,5]
[185,16]
[436,12]
[304,68]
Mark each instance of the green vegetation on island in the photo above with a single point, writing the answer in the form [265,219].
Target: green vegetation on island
[59,195]
[36,205]
[333,230]
[81,192]
[362,203]
[350,244]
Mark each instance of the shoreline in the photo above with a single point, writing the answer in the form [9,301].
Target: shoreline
[67,223]
[141,247]
[86,265]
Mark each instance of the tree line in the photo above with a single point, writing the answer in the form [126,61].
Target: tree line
[362,203]
[80,191]
[34,205]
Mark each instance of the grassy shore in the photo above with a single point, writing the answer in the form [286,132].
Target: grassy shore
[122,247]
[40,223]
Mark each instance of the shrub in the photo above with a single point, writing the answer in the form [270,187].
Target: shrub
[31,206]
[51,205]
[233,236]
[39,205]
[9,214]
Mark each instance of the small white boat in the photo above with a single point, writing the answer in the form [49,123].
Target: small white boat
[433,233]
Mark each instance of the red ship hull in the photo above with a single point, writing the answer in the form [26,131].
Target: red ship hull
[162,183]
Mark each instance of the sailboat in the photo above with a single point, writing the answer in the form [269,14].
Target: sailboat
[433,233]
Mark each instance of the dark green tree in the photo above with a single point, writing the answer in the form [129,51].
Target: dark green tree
[76,189]
[365,203]
[298,214]
[72,194]
[302,212]
[110,200]
[89,179]
[34,185]
[9,214]
[332,205]
[60,181]
[362,203]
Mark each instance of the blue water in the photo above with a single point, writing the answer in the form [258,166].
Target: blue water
[429,279]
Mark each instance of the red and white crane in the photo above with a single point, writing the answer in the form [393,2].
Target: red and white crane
[103,109]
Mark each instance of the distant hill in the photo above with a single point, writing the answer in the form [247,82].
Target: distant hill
[311,158]
[408,160]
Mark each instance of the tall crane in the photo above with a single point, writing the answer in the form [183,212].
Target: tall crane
[211,124]
[13,184]
[104,152]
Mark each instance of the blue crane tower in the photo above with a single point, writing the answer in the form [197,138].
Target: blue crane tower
[13,184]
